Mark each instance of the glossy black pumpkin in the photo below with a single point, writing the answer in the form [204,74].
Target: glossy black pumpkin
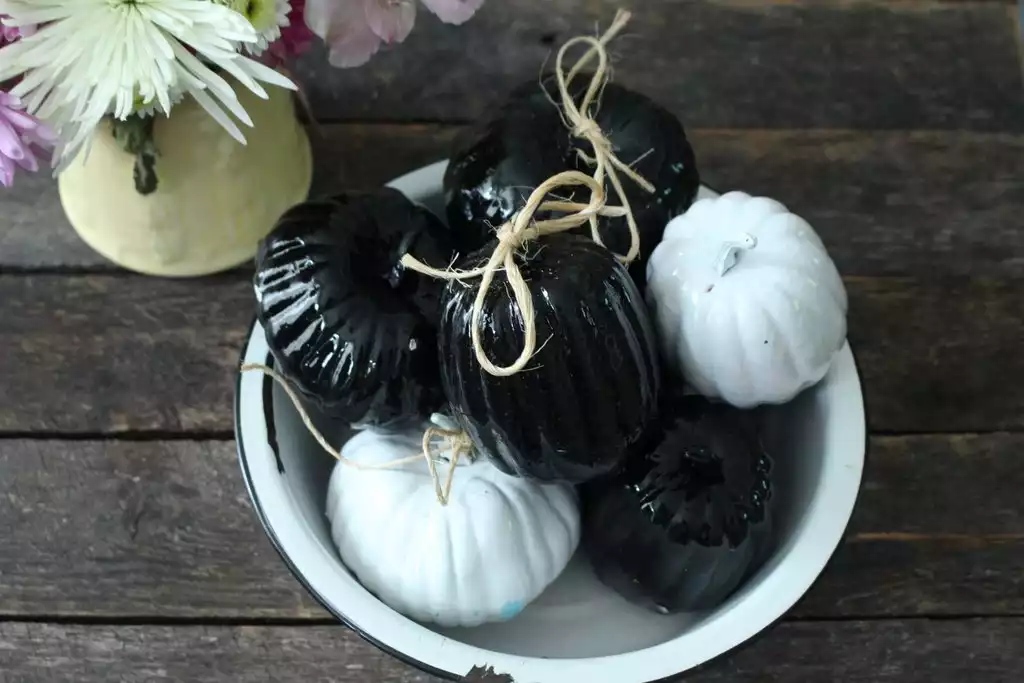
[352,329]
[682,527]
[504,156]
[588,395]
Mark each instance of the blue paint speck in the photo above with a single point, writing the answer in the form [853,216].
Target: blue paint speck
[511,609]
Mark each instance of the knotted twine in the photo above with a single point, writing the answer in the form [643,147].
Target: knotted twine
[522,227]
[457,441]
[513,234]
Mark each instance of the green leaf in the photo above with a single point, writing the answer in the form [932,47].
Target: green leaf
[144,172]
[135,136]
[133,133]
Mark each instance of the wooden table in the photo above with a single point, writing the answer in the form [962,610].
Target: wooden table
[129,550]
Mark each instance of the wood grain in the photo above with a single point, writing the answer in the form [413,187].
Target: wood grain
[159,529]
[112,354]
[918,651]
[937,355]
[715,64]
[118,530]
[115,354]
[886,203]
[938,529]
[34,231]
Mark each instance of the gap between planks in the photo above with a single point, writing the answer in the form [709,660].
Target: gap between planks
[132,620]
[1016,10]
[132,436]
[903,5]
[218,435]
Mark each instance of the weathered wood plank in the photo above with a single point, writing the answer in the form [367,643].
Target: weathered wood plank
[164,529]
[897,574]
[953,486]
[159,529]
[886,203]
[714,63]
[918,651]
[107,354]
[34,230]
[939,355]
[938,529]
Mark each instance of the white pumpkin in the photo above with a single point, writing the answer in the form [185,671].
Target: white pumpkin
[483,557]
[748,304]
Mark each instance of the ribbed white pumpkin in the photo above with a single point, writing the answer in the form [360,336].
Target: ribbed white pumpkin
[748,304]
[483,557]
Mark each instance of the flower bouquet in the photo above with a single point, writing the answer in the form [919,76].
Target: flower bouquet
[172,126]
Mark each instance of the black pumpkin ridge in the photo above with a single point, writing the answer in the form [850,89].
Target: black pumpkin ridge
[349,326]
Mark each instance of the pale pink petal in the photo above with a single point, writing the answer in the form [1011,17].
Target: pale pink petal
[21,120]
[9,34]
[392,20]
[355,51]
[10,141]
[6,171]
[336,20]
[29,162]
[22,138]
[343,26]
[453,11]
[41,135]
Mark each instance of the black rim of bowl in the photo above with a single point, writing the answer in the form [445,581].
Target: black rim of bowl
[427,668]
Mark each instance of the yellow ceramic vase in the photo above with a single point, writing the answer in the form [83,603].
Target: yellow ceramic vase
[215,198]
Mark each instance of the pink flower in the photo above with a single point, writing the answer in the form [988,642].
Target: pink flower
[295,38]
[9,34]
[22,137]
[355,29]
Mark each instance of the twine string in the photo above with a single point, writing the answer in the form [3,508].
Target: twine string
[580,120]
[512,235]
[522,226]
[458,442]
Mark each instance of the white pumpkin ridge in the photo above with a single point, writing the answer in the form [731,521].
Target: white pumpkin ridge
[748,305]
[484,556]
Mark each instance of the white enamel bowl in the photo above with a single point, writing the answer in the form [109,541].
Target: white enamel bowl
[578,630]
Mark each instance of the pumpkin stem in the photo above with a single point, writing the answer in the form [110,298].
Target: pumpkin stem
[456,440]
[459,443]
[731,253]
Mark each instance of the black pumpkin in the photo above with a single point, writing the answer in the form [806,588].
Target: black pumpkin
[499,160]
[588,394]
[682,527]
[352,329]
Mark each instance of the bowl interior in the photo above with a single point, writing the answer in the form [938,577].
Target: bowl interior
[577,616]
[817,442]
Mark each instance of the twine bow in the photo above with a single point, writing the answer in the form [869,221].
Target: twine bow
[522,227]
[513,234]
[456,441]
[582,124]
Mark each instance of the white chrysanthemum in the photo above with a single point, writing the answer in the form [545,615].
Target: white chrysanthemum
[97,57]
[268,17]
[153,107]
